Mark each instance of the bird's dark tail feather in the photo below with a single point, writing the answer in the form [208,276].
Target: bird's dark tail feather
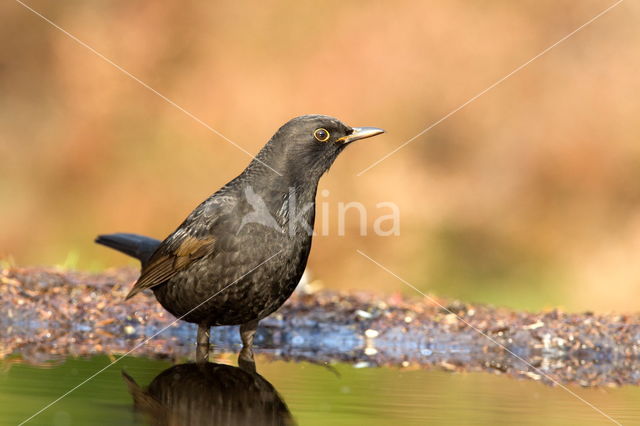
[134,245]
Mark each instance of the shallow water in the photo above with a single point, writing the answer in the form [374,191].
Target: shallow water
[313,394]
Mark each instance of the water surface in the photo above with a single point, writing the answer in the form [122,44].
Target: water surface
[316,395]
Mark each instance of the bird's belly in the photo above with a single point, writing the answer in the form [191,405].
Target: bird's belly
[227,289]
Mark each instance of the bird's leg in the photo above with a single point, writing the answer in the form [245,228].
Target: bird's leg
[245,359]
[202,348]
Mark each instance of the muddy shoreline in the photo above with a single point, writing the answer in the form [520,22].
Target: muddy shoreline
[48,315]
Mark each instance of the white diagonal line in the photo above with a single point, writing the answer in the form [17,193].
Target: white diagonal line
[141,343]
[434,124]
[145,85]
[432,300]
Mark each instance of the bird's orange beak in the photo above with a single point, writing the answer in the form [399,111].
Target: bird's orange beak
[360,133]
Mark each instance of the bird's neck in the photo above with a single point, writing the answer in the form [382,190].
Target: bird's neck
[276,187]
[289,197]
[292,164]
[279,173]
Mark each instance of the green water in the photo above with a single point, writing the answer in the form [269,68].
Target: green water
[317,396]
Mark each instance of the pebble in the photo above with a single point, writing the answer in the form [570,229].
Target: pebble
[372,334]
[364,314]
[370,351]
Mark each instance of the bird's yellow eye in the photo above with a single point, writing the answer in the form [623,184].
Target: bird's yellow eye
[322,135]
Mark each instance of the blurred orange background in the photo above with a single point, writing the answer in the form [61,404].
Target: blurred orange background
[527,197]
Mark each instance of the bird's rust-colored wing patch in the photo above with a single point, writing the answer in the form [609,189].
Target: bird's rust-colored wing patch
[166,262]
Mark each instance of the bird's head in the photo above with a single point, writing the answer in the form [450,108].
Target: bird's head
[306,146]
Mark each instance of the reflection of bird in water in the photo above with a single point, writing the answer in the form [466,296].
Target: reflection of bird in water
[209,394]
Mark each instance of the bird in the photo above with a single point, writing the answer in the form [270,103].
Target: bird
[209,393]
[239,255]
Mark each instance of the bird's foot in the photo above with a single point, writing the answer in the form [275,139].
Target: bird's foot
[202,348]
[202,354]
[247,362]
[245,359]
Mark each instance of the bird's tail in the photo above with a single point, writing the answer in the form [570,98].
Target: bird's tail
[134,245]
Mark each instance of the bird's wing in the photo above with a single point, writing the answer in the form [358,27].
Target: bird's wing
[170,259]
[194,239]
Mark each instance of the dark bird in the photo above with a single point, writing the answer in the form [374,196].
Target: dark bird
[240,254]
[209,394]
